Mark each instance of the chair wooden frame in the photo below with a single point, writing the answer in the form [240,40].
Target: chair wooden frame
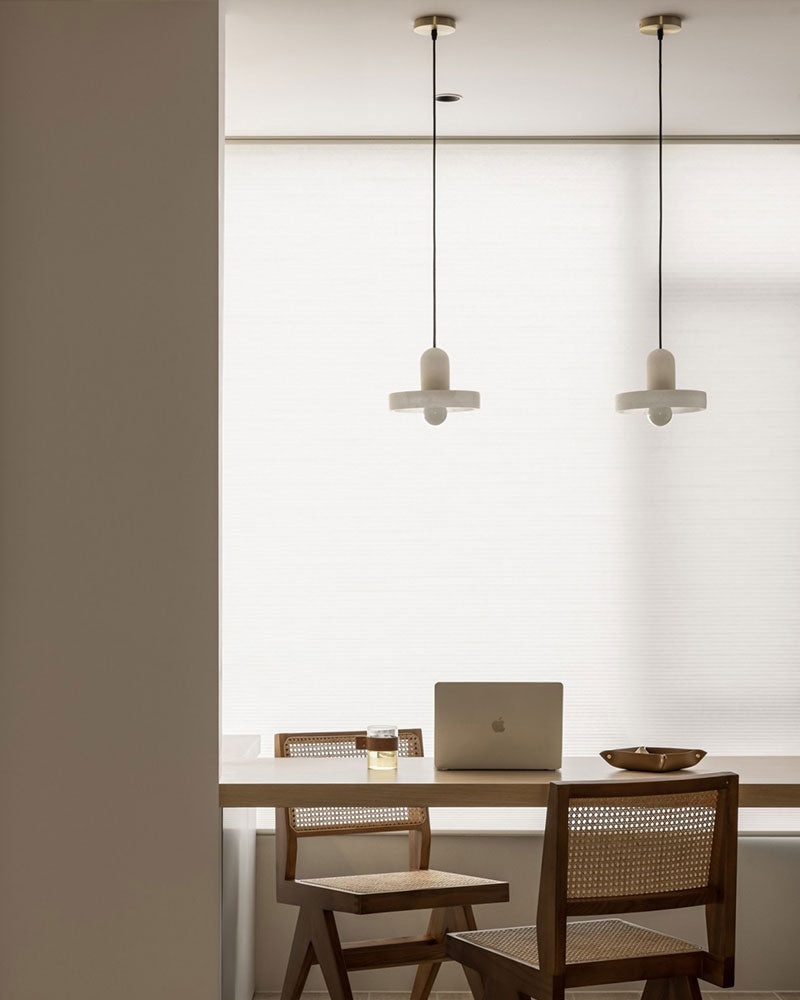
[316,938]
[671,976]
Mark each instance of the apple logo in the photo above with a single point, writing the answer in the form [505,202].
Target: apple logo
[498,725]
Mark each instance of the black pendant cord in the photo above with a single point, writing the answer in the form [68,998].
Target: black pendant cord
[434,36]
[660,179]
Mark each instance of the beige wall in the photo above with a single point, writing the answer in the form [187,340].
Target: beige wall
[108,458]
[768,915]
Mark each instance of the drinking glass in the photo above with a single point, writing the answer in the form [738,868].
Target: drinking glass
[382,748]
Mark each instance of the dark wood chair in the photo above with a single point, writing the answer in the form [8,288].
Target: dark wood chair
[450,897]
[621,847]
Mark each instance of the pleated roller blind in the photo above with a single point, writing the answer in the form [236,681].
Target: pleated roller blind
[366,555]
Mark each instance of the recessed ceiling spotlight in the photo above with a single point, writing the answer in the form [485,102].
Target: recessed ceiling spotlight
[448,98]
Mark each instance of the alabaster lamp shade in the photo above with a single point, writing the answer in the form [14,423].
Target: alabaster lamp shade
[434,398]
[661,399]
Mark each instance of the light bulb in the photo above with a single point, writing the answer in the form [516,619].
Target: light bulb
[659,415]
[435,414]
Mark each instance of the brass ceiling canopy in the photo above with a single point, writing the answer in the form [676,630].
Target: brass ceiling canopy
[670,23]
[444,25]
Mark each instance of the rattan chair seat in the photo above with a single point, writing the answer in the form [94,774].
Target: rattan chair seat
[415,881]
[587,941]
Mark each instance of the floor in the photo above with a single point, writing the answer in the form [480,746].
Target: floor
[572,995]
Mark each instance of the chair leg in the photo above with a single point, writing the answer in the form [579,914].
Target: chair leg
[328,952]
[457,918]
[496,991]
[465,919]
[438,926]
[469,918]
[677,988]
[301,958]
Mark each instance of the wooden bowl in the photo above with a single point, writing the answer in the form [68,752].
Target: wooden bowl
[654,759]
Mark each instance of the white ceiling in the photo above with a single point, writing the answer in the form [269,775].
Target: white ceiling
[525,67]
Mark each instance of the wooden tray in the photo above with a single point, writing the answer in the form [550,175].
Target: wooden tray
[655,758]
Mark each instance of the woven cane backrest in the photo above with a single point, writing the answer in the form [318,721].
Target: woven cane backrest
[642,845]
[311,820]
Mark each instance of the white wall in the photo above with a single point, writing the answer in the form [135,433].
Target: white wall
[768,909]
[108,448]
[238,903]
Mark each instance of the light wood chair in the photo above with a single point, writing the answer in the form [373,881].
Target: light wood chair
[621,847]
[316,940]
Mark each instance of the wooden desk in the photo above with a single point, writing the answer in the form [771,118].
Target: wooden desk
[765,782]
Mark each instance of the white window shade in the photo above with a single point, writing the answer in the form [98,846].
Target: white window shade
[366,554]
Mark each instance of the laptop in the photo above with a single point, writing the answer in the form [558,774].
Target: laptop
[497,726]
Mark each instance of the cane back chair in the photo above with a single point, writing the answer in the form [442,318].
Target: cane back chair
[450,897]
[613,847]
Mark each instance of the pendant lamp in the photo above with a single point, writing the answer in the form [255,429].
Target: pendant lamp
[434,398]
[661,399]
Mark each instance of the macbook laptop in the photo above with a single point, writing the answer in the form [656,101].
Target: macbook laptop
[498,726]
